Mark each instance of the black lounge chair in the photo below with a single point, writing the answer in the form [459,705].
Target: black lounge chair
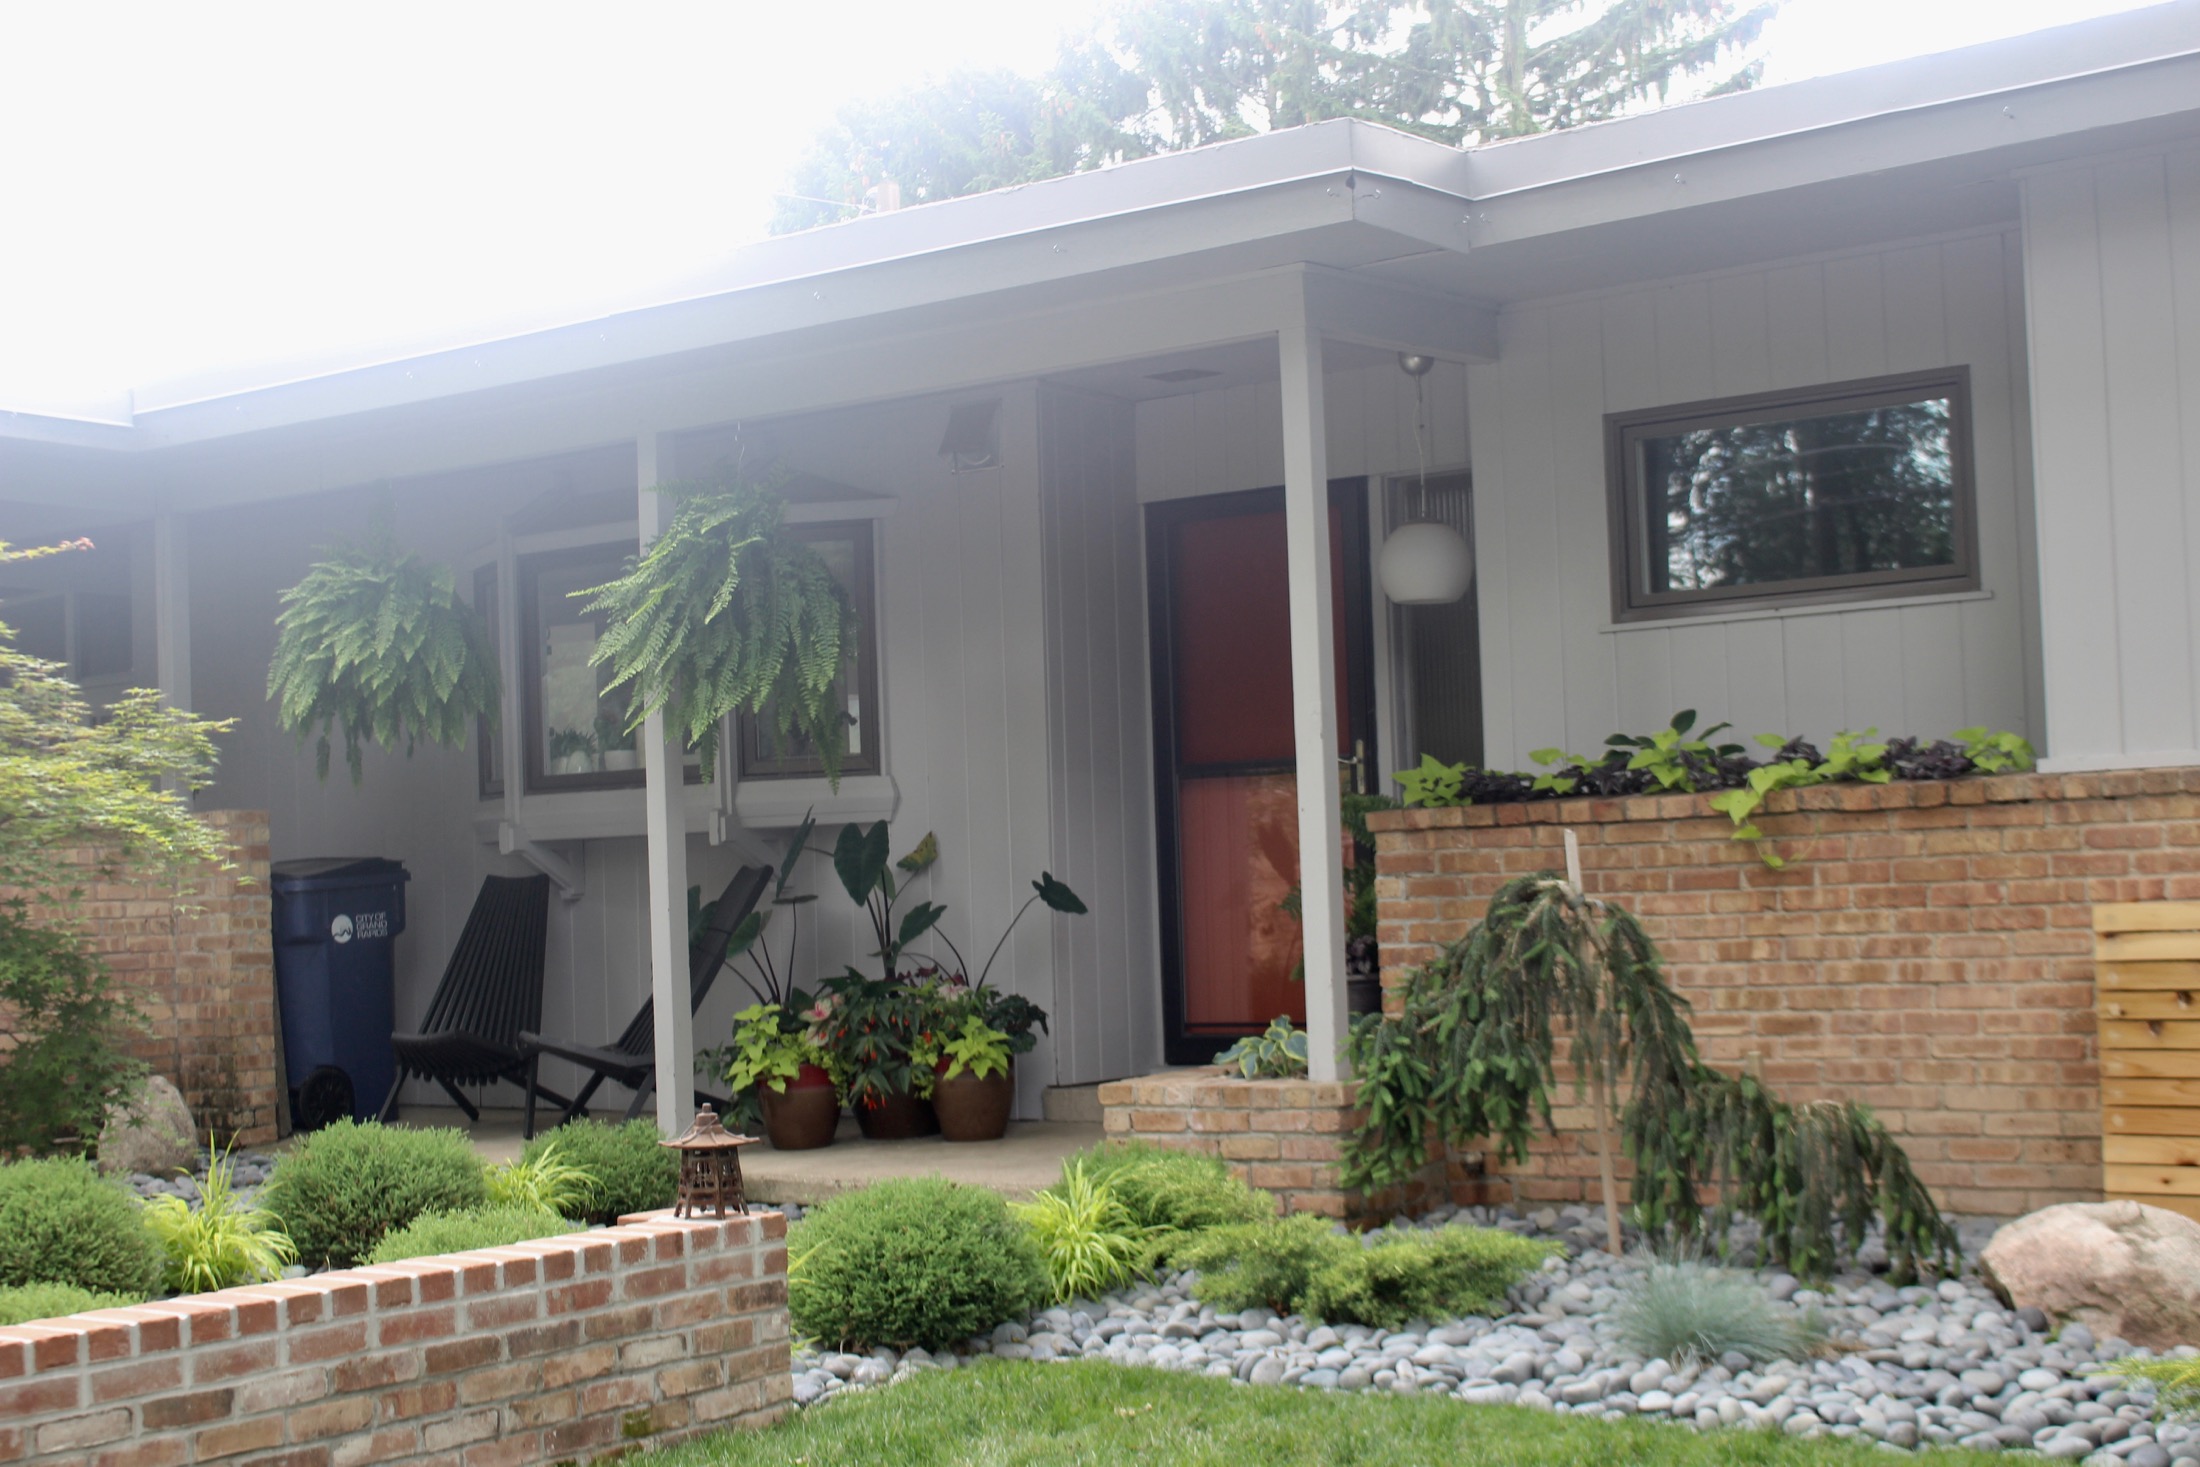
[631,1059]
[491,991]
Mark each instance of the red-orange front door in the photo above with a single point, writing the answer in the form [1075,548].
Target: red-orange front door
[1228,800]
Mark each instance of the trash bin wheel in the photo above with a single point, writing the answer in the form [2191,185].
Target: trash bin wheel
[324,1098]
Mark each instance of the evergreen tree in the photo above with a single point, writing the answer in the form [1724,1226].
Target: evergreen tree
[1163,75]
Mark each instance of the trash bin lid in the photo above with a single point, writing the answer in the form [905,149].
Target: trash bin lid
[330,871]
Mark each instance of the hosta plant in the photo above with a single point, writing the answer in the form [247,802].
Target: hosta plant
[375,644]
[1276,1053]
[220,1243]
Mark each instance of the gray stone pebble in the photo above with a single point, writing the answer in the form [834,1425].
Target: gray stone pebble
[1945,1364]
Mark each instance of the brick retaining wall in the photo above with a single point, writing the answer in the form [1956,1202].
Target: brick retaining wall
[1928,949]
[562,1349]
[204,974]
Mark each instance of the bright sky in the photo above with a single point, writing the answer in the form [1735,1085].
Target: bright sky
[245,191]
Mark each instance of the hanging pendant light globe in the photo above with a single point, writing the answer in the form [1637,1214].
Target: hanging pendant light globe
[1424,562]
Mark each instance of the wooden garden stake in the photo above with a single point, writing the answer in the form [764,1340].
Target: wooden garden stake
[1600,1083]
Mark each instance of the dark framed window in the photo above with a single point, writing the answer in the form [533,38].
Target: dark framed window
[1848,491]
[491,743]
[846,546]
[575,726]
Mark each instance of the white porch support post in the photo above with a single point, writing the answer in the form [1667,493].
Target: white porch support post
[1314,693]
[172,609]
[665,796]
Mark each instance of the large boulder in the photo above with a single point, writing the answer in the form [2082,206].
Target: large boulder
[154,1133]
[2118,1268]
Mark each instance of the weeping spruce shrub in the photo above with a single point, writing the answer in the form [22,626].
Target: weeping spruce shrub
[1472,1054]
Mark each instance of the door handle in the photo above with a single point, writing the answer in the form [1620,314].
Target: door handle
[1357,764]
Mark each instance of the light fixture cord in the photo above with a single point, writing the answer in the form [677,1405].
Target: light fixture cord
[1420,428]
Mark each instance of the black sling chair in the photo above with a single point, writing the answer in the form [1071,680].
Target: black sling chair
[491,991]
[631,1059]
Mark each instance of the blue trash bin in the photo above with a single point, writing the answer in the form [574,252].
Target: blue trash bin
[335,921]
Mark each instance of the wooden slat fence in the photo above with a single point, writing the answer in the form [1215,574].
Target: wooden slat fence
[2147,977]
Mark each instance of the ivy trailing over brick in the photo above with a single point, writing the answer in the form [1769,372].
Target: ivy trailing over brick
[1473,1054]
[1677,760]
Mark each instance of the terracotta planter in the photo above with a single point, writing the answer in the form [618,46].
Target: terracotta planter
[897,1118]
[972,1109]
[805,1117]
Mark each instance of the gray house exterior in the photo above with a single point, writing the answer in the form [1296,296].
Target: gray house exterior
[2020,218]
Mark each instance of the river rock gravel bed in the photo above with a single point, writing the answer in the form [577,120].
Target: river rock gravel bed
[1939,1364]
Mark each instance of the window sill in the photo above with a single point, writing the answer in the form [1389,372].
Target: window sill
[1781,613]
[778,804]
[591,814]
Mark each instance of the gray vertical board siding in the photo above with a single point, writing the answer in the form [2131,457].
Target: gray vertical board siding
[2112,287]
[1099,740]
[1560,673]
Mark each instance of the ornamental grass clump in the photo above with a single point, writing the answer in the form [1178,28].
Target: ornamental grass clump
[63,1223]
[1697,1312]
[541,1180]
[1171,1195]
[622,1169]
[1090,1241]
[1304,1265]
[463,1232]
[220,1243]
[2176,1382]
[348,1185]
[917,1261]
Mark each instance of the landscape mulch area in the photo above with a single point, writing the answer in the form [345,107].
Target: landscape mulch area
[1039,1415]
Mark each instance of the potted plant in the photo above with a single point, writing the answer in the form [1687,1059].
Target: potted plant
[874,1038]
[973,1085]
[780,1056]
[376,644]
[615,744]
[572,751]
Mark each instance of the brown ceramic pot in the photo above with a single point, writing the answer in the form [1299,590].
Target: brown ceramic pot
[897,1118]
[972,1109]
[806,1115]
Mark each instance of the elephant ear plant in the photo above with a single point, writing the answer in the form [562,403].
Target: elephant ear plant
[893,1021]
[376,644]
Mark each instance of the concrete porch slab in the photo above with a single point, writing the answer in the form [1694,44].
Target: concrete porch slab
[1028,1158]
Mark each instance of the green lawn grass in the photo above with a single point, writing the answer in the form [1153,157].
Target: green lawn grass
[1010,1414]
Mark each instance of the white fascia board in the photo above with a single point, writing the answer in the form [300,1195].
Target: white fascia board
[2005,95]
[1153,211]
[555,417]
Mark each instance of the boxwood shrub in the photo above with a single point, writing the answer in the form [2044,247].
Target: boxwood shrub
[913,1261]
[461,1232]
[63,1223]
[347,1185]
[627,1170]
[27,1302]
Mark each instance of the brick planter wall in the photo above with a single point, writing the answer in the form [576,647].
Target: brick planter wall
[205,977]
[1928,950]
[1281,1135]
[557,1350]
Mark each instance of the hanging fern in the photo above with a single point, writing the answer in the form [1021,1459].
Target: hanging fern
[376,643]
[726,614]
[1473,1054]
